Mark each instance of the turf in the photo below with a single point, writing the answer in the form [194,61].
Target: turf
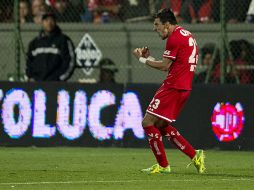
[118,168]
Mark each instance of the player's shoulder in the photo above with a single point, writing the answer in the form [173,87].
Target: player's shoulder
[181,35]
[180,31]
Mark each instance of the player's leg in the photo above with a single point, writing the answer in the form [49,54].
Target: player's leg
[178,140]
[156,145]
[197,156]
[173,135]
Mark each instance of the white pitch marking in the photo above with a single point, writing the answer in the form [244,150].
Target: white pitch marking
[120,181]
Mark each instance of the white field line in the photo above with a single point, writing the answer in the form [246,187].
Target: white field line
[121,181]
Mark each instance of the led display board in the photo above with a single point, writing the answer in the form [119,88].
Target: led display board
[74,114]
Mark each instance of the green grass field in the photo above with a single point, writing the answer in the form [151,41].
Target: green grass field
[118,168]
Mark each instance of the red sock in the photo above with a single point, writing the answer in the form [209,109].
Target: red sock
[181,143]
[156,144]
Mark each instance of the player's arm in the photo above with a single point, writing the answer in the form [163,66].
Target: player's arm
[162,65]
[143,55]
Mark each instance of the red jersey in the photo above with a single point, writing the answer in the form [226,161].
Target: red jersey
[182,49]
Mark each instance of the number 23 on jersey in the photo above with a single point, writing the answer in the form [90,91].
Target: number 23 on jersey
[154,104]
[193,59]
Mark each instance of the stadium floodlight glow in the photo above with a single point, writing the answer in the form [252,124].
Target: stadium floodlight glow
[227,121]
[74,131]
[40,128]
[16,97]
[129,117]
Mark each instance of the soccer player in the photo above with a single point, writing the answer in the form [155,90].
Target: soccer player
[179,60]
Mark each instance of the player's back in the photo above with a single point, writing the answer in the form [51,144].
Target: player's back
[182,48]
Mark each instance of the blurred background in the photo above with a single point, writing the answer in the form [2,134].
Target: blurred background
[223,29]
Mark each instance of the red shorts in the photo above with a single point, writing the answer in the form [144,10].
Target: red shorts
[167,103]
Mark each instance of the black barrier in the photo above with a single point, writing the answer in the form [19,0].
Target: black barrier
[219,116]
[74,114]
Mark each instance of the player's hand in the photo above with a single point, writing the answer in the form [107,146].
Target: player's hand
[145,52]
[137,52]
[141,52]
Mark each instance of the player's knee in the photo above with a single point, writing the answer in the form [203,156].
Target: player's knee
[147,122]
[161,123]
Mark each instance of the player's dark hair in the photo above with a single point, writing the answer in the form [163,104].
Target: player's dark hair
[166,15]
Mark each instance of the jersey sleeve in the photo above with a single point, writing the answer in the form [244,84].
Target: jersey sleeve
[171,50]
